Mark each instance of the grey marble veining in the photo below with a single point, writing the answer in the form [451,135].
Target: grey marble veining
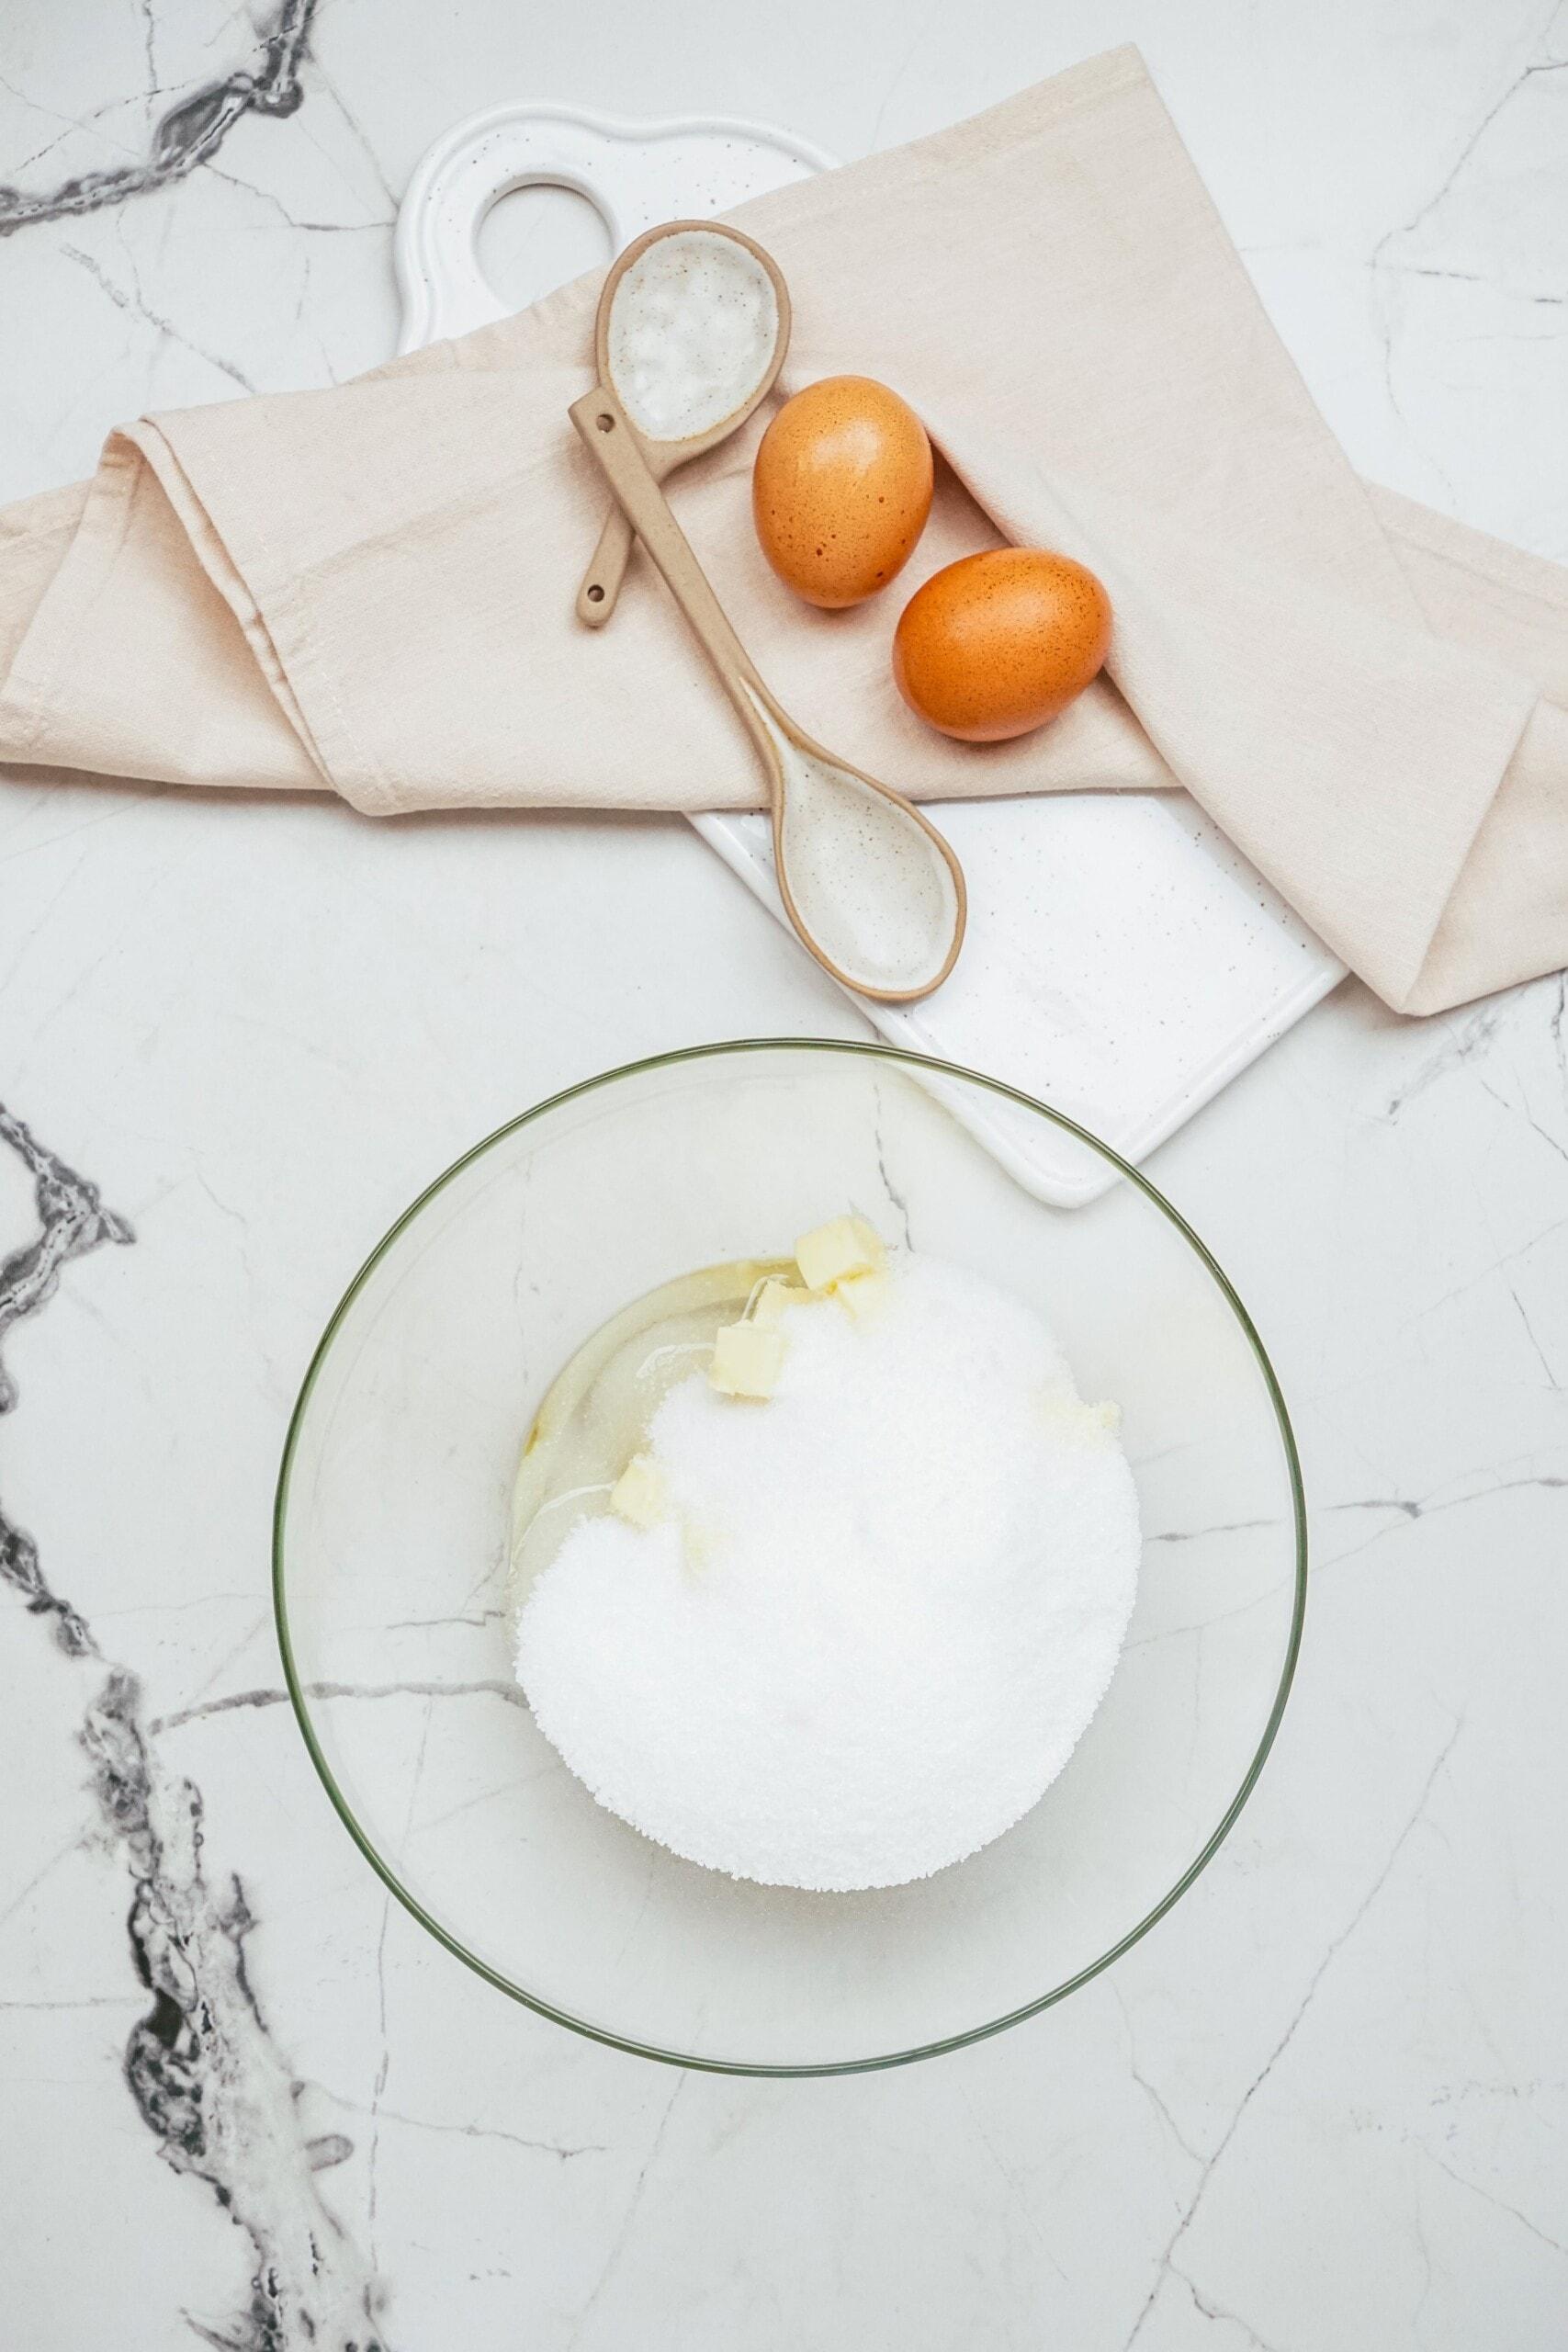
[246,2100]
[191,132]
[204,2073]
[207,2077]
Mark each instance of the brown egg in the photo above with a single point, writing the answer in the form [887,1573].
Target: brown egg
[841,489]
[998,643]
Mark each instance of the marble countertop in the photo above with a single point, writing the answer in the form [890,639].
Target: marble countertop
[246,2101]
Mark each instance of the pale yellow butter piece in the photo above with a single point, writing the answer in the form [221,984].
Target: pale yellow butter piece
[771,1300]
[836,1253]
[747,1358]
[702,1545]
[640,1495]
[863,1293]
[1064,1409]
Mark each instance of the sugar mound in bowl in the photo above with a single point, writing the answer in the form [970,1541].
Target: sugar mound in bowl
[855,1596]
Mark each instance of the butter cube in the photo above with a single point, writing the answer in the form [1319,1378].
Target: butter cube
[702,1546]
[746,1359]
[1067,1413]
[836,1253]
[640,1495]
[772,1298]
[862,1294]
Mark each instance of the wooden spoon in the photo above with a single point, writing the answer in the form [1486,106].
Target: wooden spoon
[602,580]
[872,887]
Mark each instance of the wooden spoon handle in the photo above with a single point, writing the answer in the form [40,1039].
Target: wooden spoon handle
[601,421]
[602,580]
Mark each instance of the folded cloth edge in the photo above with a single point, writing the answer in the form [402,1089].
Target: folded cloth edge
[1405,958]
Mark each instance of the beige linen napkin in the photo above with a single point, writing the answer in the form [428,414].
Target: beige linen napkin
[371,588]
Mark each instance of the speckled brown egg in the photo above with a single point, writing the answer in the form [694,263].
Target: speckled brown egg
[841,489]
[998,643]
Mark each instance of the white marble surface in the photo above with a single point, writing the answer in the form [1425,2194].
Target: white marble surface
[1323,2106]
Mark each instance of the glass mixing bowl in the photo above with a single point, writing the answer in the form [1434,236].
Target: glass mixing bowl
[390,1535]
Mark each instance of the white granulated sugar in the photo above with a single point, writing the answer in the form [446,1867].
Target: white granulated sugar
[884,1607]
[693,325]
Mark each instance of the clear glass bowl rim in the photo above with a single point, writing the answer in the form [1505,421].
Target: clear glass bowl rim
[299,1696]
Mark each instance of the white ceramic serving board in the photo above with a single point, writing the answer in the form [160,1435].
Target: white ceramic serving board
[1123,962]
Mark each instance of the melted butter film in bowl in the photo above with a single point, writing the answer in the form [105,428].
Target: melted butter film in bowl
[596,1414]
